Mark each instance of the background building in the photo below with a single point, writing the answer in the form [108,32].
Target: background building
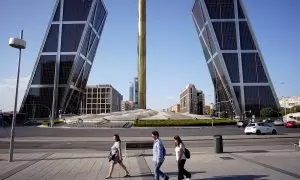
[174,108]
[192,100]
[289,102]
[65,58]
[136,93]
[239,73]
[209,108]
[127,106]
[131,92]
[101,99]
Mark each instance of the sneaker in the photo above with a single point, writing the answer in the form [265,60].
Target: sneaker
[127,175]
[167,178]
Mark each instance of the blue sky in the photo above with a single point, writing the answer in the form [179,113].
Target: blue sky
[174,54]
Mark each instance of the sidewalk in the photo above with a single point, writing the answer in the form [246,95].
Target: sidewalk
[91,165]
[186,138]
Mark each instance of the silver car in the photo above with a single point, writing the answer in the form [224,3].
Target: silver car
[278,122]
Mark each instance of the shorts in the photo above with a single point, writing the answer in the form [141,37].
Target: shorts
[116,160]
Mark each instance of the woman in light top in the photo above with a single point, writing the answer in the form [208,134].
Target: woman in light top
[181,159]
[117,157]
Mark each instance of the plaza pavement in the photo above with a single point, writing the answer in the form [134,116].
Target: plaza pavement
[84,165]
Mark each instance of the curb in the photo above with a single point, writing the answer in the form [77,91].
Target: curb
[142,139]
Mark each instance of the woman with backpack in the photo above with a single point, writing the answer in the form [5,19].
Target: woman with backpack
[115,157]
[180,152]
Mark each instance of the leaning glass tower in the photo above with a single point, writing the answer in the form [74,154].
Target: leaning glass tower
[239,74]
[65,59]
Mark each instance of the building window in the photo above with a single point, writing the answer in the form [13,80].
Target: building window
[220,9]
[226,35]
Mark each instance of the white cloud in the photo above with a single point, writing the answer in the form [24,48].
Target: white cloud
[8,90]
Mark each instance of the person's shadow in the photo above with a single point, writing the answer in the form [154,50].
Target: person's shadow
[237,177]
[167,173]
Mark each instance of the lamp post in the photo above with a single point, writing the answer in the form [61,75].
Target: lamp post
[20,44]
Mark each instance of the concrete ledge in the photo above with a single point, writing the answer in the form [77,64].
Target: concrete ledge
[138,139]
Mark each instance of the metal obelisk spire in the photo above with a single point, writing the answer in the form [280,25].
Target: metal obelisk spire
[142,54]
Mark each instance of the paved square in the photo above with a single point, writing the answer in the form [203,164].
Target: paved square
[92,165]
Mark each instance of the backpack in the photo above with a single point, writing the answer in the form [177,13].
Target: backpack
[187,153]
[164,151]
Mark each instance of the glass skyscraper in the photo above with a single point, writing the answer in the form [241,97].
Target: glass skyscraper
[239,74]
[65,59]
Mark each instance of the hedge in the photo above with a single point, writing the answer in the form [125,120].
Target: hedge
[55,122]
[188,122]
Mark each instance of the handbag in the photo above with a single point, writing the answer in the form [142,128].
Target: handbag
[111,156]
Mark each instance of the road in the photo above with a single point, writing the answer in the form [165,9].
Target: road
[129,132]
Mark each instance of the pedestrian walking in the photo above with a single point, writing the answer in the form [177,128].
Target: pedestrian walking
[181,159]
[159,153]
[115,157]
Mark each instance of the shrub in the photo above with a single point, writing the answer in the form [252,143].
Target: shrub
[55,122]
[268,112]
[223,115]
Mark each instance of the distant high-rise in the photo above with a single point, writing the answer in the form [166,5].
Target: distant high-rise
[131,92]
[136,93]
[239,74]
[65,59]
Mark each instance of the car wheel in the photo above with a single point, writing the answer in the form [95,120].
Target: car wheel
[258,132]
[247,133]
[274,132]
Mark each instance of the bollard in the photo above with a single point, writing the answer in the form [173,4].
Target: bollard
[218,144]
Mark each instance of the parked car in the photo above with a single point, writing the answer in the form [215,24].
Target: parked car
[268,121]
[291,124]
[32,123]
[278,122]
[260,128]
[241,124]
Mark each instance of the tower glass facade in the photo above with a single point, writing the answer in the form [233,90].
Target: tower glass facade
[136,93]
[239,74]
[65,59]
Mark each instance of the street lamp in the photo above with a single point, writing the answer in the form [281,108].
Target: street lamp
[20,44]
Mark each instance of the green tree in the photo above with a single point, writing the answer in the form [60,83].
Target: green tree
[296,108]
[268,112]
[223,115]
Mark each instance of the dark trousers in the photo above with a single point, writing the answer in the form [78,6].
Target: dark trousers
[181,171]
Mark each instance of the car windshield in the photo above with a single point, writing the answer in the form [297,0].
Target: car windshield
[252,124]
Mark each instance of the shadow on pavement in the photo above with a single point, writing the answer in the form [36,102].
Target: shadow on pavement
[192,172]
[51,159]
[142,175]
[248,151]
[237,177]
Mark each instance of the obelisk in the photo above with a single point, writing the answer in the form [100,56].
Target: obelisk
[142,54]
